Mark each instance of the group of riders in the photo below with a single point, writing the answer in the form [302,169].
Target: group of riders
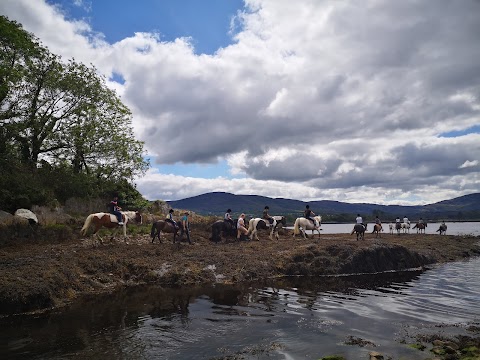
[242,229]
[398,222]
[268,219]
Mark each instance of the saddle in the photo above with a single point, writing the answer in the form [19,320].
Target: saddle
[114,219]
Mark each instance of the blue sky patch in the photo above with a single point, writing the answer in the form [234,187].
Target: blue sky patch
[207,22]
[456,133]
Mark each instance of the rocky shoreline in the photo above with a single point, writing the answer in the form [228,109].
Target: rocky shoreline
[39,276]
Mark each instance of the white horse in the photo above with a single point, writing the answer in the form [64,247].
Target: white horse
[391,227]
[406,227]
[255,223]
[302,224]
[110,221]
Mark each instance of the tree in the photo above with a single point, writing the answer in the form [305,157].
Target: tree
[61,118]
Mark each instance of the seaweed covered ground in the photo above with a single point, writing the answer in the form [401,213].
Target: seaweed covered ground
[41,275]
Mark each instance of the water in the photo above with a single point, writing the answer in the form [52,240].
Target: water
[454,228]
[293,318]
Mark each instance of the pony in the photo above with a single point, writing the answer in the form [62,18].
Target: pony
[167,227]
[398,227]
[420,227]
[360,229]
[442,229]
[405,227]
[226,228]
[391,227]
[377,228]
[110,221]
[302,224]
[259,223]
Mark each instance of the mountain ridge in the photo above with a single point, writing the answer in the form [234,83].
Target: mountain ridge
[466,207]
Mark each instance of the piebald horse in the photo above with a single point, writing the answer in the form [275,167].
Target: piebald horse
[302,224]
[110,221]
[406,227]
[259,223]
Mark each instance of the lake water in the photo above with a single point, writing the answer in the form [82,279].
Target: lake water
[454,228]
[293,318]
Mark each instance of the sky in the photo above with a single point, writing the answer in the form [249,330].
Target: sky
[373,101]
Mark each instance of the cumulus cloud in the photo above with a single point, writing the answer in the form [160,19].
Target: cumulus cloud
[313,100]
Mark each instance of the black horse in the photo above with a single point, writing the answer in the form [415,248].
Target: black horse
[360,230]
[226,228]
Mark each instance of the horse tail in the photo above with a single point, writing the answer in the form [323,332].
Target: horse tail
[250,226]
[152,232]
[85,227]
[296,229]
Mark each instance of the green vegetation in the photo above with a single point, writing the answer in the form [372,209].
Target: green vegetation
[63,132]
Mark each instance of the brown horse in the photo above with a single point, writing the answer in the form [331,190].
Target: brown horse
[110,221]
[420,227]
[166,227]
[377,228]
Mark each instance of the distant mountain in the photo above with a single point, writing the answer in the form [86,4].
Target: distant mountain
[216,203]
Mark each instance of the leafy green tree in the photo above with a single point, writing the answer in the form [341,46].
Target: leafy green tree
[61,125]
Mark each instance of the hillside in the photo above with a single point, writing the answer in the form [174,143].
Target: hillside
[216,203]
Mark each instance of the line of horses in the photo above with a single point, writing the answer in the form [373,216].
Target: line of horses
[224,229]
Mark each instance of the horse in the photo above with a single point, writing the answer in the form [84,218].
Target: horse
[391,227]
[398,227]
[302,224]
[226,228]
[442,229]
[377,228]
[405,227]
[360,229]
[259,223]
[420,227]
[166,227]
[110,221]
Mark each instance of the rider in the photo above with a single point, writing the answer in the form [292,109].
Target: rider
[309,214]
[170,219]
[405,220]
[378,222]
[228,217]
[185,227]
[241,229]
[266,216]
[420,221]
[359,220]
[115,209]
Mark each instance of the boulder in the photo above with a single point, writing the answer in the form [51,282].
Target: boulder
[5,218]
[27,214]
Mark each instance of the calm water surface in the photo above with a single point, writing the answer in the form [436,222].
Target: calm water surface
[294,318]
[453,228]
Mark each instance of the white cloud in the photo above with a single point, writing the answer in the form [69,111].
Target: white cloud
[335,100]
[468,164]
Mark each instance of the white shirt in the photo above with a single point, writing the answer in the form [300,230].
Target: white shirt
[240,223]
[405,220]
[359,220]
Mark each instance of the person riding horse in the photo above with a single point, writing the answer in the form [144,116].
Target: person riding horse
[115,210]
[170,219]
[266,216]
[309,214]
[358,221]
[228,218]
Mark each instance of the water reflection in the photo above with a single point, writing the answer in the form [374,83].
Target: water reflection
[287,318]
